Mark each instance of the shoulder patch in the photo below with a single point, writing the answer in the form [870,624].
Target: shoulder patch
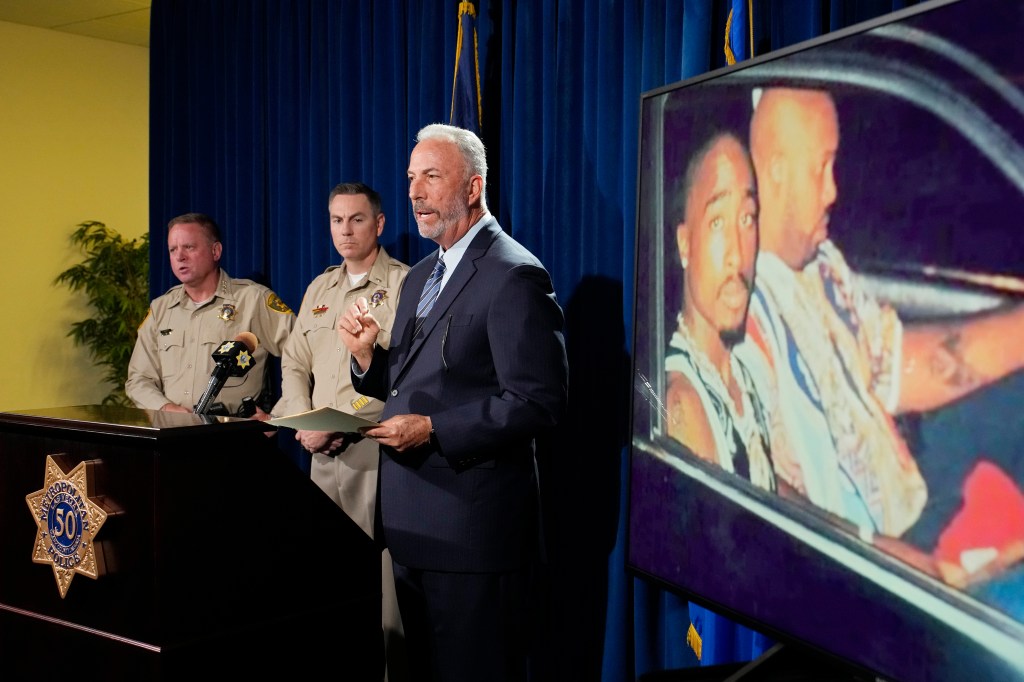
[149,311]
[274,302]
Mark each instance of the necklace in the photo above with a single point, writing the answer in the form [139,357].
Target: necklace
[745,421]
[707,370]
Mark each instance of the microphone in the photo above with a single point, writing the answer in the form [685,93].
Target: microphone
[231,359]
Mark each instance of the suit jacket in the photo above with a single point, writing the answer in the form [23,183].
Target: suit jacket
[489,368]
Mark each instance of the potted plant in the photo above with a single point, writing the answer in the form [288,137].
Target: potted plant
[115,278]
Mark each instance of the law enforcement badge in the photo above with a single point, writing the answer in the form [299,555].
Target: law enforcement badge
[227,312]
[275,303]
[378,298]
[242,358]
[320,310]
[67,522]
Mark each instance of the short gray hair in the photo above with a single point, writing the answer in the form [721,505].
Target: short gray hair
[469,145]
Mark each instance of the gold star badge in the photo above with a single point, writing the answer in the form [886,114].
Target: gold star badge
[67,522]
[244,360]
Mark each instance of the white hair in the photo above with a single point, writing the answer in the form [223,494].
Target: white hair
[469,145]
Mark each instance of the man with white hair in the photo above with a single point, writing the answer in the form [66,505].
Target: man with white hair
[475,372]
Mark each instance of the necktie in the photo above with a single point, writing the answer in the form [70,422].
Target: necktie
[430,291]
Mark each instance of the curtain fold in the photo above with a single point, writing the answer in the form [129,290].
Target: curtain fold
[259,107]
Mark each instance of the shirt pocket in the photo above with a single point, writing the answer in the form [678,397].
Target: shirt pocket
[324,344]
[171,343]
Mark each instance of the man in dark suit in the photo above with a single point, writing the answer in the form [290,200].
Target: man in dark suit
[476,370]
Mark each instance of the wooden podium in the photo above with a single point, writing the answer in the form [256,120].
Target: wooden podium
[218,556]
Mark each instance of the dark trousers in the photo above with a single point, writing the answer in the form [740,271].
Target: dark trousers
[464,627]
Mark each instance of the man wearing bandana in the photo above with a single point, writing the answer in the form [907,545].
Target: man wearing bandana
[171,364]
[315,371]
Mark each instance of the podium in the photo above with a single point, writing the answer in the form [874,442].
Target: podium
[217,555]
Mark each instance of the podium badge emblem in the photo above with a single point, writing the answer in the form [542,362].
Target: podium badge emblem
[67,522]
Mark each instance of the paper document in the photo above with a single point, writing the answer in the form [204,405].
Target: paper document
[324,419]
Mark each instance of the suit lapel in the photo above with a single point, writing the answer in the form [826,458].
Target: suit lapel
[465,272]
[407,301]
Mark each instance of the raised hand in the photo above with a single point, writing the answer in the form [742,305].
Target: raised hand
[358,330]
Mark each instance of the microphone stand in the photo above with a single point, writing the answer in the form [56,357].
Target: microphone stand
[232,358]
[217,379]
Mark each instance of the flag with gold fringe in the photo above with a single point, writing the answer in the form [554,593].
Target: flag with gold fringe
[467,109]
[716,640]
[739,32]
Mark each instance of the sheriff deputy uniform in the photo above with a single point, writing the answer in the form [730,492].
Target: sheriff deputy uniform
[172,362]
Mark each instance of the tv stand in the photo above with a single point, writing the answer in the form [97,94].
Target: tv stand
[792,663]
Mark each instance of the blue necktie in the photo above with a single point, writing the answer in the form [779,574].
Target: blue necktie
[430,291]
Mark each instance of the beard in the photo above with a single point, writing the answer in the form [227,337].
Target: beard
[736,329]
[447,218]
[731,337]
[432,232]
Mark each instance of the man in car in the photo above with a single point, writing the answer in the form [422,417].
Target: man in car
[845,363]
[711,403]
[712,407]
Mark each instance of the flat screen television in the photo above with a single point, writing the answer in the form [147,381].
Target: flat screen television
[923,190]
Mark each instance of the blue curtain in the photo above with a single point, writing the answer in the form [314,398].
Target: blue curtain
[259,107]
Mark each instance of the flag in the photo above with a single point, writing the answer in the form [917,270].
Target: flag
[467,109]
[739,32]
[716,640]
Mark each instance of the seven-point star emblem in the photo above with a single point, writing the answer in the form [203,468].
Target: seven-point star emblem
[67,523]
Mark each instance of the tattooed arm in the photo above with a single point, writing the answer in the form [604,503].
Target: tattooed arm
[945,361]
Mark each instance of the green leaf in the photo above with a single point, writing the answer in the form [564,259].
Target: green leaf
[114,275]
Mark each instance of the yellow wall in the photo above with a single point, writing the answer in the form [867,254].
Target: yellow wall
[74,146]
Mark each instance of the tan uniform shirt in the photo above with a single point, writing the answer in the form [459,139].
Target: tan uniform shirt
[315,365]
[172,359]
[315,372]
